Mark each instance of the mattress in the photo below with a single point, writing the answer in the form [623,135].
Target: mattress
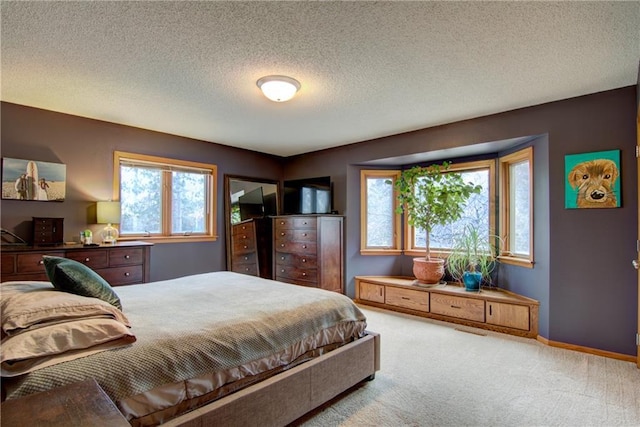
[201,337]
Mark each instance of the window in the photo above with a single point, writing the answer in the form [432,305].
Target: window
[380,225]
[480,209]
[165,199]
[516,209]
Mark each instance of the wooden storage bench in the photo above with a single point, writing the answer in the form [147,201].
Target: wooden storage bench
[493,309]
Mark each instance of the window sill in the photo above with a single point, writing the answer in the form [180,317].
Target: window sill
[380,252]
[170,239]
[520,262]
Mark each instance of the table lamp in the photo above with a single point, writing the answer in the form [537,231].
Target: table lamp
[108,213]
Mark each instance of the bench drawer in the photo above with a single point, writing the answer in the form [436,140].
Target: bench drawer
[371,292]
[407,298]
[455,306]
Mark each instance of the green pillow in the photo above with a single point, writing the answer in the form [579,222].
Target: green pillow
[76,278]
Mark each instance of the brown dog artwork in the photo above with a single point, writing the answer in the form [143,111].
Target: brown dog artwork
[594,182]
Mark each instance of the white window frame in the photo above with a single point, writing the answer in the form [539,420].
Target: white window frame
[166,164]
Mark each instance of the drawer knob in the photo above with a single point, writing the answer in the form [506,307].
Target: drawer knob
[41,262]
[304,274]
[86,260]
[282,271]
[246,269]
[282,234]
[246,258]
[304,246]
[282,258]
[304,234]
[127,257]
[282,245]
[245,246]
[244,227]
[244,237]
[304,260]
[127,274]
[281,222]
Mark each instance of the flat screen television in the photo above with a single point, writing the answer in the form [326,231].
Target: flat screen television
[251,204]
[308,196]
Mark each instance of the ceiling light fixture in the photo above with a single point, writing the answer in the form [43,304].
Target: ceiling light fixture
[278,88]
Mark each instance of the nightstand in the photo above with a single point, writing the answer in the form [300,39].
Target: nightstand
[79,404]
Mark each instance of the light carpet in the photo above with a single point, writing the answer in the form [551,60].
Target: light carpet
[439,374]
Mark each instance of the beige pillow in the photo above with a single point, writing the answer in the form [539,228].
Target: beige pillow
[44,306]
[60,342]
[7,288]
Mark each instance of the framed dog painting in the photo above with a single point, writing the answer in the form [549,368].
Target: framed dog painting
[592,180]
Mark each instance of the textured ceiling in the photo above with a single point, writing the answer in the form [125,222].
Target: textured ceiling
[368,69]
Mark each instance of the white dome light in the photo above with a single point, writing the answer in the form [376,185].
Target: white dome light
[278,88]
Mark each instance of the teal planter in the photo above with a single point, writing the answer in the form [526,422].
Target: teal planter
[471,280]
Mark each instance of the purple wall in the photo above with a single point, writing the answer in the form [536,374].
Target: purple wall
[86,147]
[583,276]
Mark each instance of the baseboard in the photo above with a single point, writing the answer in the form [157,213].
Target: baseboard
[589,350]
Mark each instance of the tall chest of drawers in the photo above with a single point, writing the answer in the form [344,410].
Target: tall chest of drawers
[308,251]
[125,263]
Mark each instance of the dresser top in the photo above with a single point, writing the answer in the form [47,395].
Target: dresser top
[65,247]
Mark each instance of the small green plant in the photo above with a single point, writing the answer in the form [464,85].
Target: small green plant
[431,196]
[473,251]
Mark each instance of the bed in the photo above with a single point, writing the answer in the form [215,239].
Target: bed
[220,347]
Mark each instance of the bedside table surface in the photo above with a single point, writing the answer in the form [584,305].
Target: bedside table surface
[79,404]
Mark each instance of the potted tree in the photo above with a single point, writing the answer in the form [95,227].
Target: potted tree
[431,196]
[473,258]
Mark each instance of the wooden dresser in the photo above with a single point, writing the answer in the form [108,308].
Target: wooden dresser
[308,251]
[124,263]
[494,309]
[251,247]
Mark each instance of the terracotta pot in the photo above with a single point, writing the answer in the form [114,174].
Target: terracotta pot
[429,272]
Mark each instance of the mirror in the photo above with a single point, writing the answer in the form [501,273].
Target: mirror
[247,198]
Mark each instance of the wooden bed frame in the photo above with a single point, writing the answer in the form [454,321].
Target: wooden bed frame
[291,394]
